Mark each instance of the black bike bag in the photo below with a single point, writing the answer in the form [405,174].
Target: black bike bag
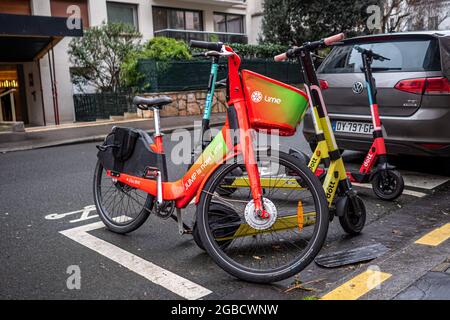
[127,150]
[124,142]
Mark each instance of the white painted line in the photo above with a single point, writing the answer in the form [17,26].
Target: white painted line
[405,191]
[423,181]
[414,193]
[178,285]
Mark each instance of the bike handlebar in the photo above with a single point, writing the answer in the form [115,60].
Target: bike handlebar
[214,46]
[310,46]
[208,54]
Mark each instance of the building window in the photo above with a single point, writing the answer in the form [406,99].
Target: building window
[122,13]
[16,7]
[179,19]
[231,23]
[59,9]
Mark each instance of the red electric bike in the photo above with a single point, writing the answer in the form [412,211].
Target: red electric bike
[255,234]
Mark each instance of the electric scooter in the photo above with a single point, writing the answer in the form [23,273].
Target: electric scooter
[342,199]
[387,183]
[205,134]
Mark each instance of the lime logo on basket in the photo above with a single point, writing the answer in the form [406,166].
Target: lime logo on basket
[257,96]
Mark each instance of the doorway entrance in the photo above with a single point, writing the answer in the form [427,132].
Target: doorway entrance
[13,106]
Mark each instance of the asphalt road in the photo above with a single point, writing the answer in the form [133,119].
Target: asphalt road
[35,256]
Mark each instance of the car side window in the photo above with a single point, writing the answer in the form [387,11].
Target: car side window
[432,61]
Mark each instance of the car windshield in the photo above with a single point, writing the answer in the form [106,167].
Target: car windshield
[412,56]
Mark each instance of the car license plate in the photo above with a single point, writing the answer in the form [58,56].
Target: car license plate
[352,127]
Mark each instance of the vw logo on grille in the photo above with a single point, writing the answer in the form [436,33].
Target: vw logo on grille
[358,87]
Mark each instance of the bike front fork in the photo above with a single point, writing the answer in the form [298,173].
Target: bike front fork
[248,152]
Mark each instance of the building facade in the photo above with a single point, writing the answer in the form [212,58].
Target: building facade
[417,15]
[42,90]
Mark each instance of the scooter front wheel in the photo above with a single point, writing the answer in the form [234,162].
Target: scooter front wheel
[352,220]
[388,184]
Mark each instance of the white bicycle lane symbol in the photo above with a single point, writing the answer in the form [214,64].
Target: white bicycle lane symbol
[181,286]
[85,214]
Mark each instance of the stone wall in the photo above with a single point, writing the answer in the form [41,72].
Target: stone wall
[187,103]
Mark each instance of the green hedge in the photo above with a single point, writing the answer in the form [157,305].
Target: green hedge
[254,51]
[164,50]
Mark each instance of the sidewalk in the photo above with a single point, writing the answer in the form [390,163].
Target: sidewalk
[40,137]
[416,265]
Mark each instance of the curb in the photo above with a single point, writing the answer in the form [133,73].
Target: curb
[92,139]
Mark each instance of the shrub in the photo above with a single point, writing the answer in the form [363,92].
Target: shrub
[160,49]
[261,51]
[97,55]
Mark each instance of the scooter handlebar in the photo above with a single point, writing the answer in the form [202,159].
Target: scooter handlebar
[280,57]
[310,46]
[336,38]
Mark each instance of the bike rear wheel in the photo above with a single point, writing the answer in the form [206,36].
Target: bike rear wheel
[266,251]
[122,208]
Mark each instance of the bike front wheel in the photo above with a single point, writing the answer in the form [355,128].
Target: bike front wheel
[265,250]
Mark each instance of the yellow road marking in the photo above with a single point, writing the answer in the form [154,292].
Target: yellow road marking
[358,286]
[436,237]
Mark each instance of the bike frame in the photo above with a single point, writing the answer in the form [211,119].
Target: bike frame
[222,148]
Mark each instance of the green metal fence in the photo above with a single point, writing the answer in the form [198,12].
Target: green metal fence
[173,76]
[93,106]
[194,74]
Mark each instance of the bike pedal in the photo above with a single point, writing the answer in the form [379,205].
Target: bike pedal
[151,173]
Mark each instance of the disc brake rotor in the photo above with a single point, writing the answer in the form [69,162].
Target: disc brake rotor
[255,221]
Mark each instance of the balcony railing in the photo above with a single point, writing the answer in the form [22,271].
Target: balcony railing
[227,3]
[187,35]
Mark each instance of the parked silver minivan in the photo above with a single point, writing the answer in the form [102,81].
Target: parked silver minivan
[413,93]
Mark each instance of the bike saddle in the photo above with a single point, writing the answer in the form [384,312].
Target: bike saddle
[146,103]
